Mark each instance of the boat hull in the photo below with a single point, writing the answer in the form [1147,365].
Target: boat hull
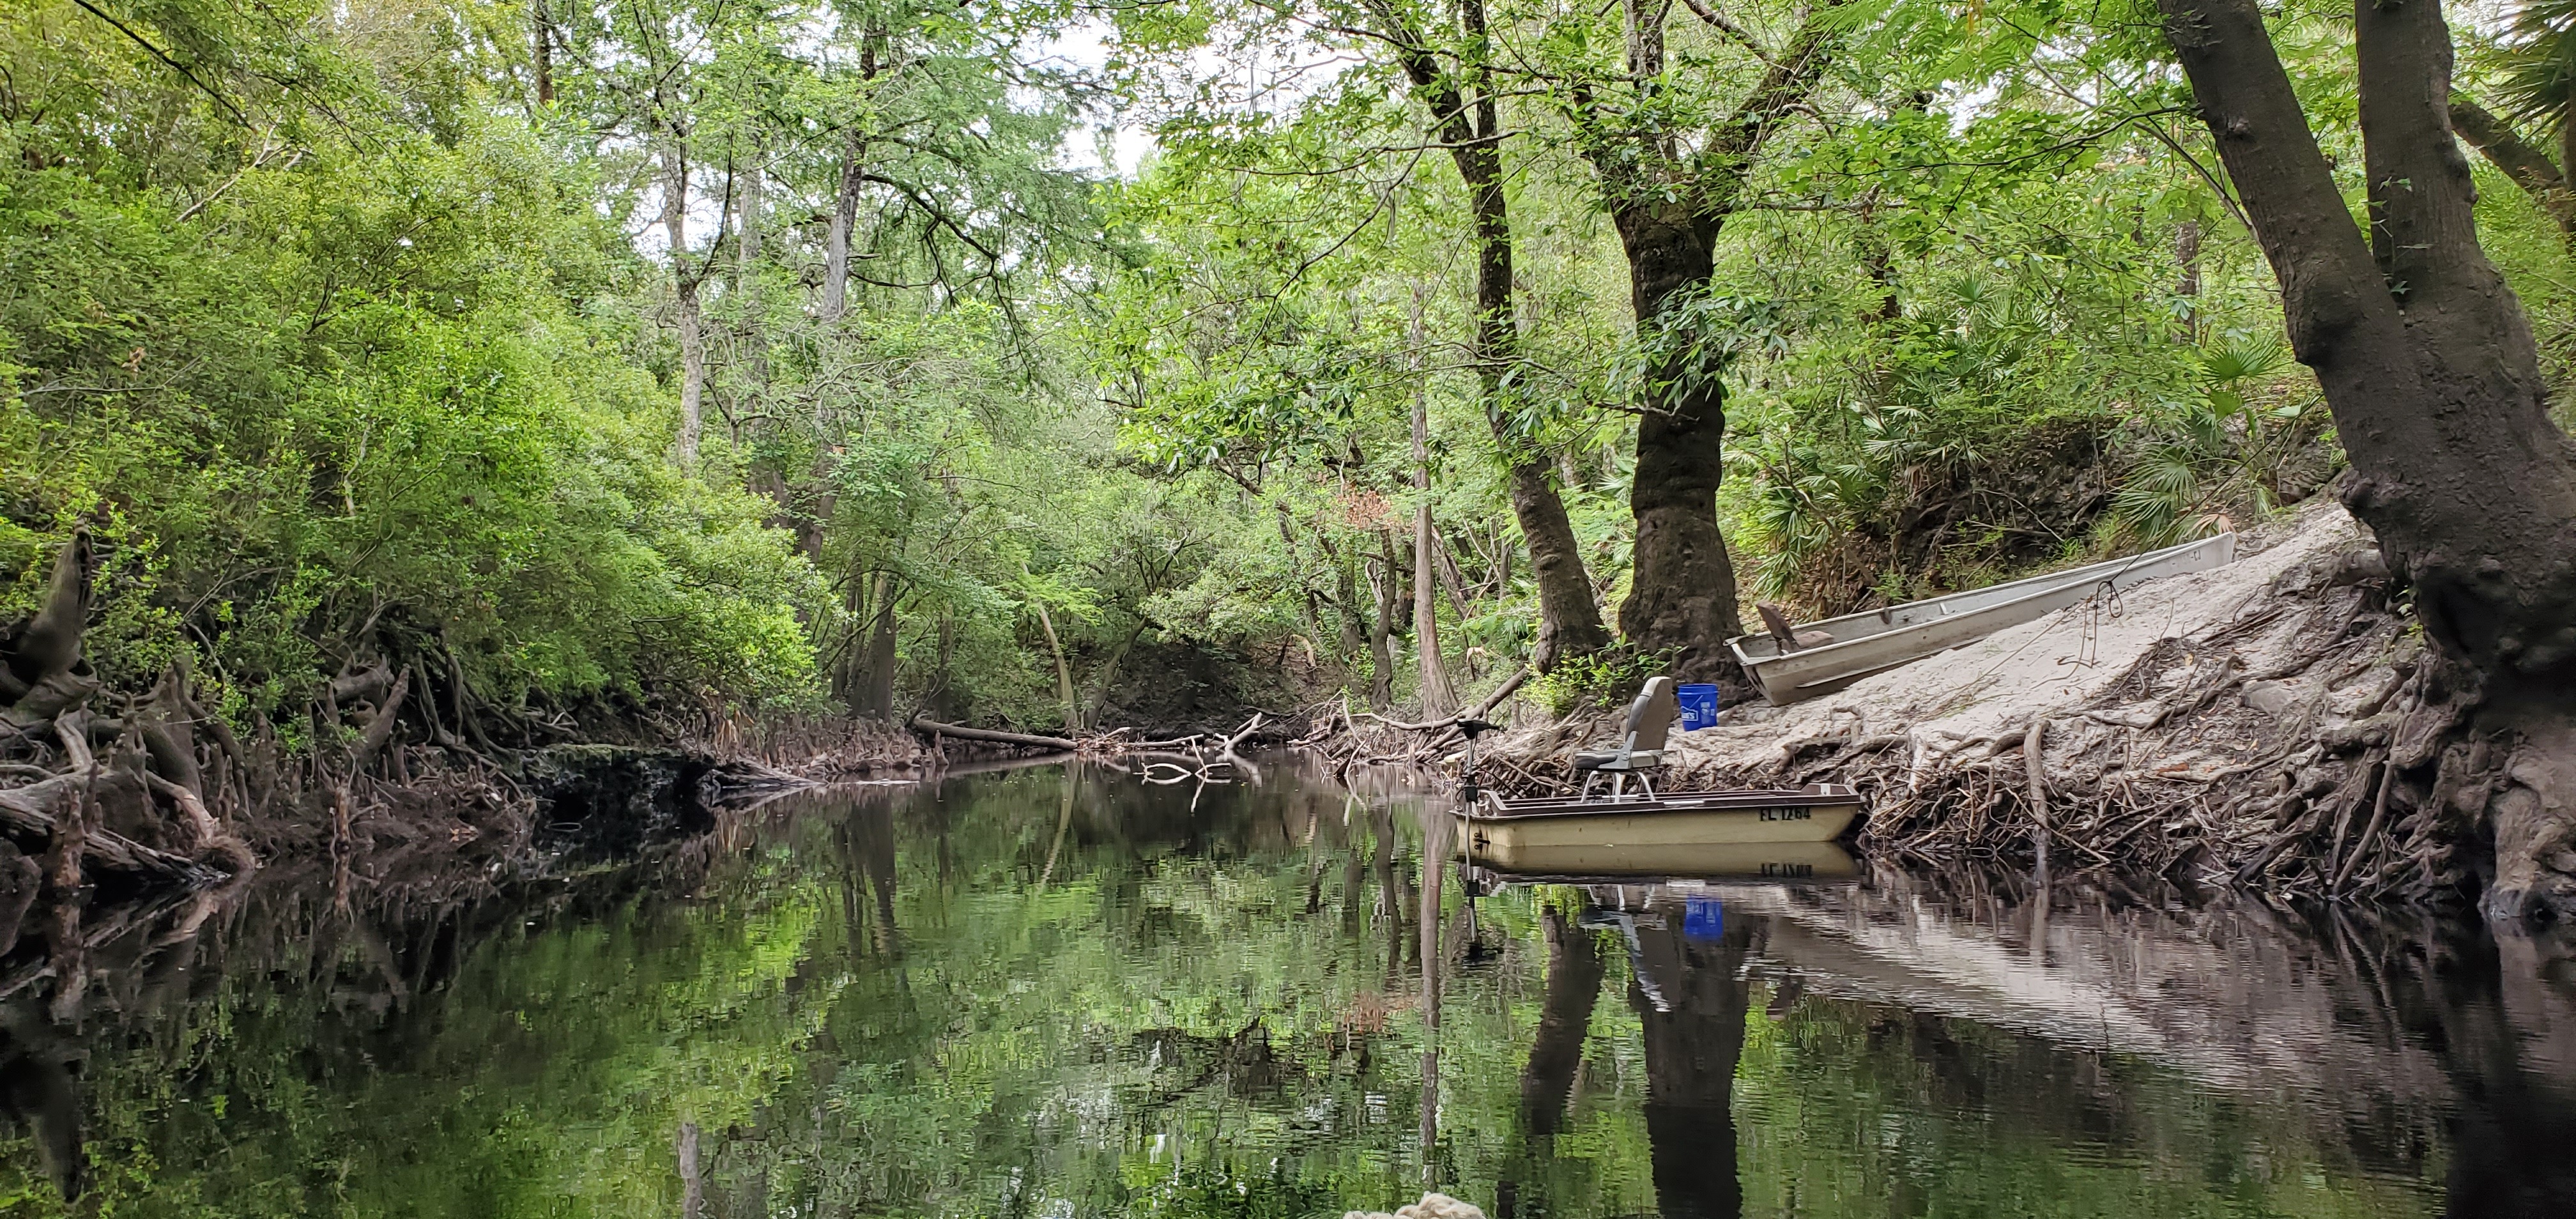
[1576,836]
[1874,642]
[1769,861]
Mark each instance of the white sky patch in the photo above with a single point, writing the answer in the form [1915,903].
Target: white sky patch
[1114,144]
[1272,73]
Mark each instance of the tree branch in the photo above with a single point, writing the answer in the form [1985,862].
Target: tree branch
[2522,161]
[164,57]
[1719,23]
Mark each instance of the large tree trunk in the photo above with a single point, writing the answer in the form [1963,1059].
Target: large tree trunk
[693,1184]
[755,331]
[845,218]
[1569,618]
[877,698]
[1669,205]
[755,191]
[1681,593]
[2428,365]
[845,199]
[542,43]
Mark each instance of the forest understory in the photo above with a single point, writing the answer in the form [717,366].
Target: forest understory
[406,783]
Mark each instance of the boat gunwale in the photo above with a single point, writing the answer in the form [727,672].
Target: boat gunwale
[1831,795]
[1683,882]
[2039,586]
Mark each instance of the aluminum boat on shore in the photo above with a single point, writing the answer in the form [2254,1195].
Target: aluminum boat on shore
[1855,646]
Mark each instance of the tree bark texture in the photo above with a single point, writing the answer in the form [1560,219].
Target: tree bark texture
[2430,370]
[1669,207]
[845,219]
[845,199]
[693,1184]
[542,44]
[746,263]
[1470,127]
[878,697]
[1681,593]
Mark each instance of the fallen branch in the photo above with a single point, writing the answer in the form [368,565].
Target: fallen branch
[999,738]
[1225,748]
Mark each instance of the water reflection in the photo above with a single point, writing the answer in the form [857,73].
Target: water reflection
[1059,992]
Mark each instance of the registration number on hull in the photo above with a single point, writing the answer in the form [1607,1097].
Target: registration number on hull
[1788,814]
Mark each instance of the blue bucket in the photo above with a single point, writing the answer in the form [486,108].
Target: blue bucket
[1699,706]
[1703,920]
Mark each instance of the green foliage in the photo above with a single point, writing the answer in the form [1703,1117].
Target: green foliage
[1608,678]
[2537,62]
[354,392]
[2232,451]
[345,343]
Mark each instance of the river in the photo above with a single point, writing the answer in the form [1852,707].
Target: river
[1057,992]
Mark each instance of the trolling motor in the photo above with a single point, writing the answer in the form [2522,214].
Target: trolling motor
[1469,795]
[1467,790]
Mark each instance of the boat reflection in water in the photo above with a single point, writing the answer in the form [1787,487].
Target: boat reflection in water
[2429,1067]
[1722,861]
[1689,988]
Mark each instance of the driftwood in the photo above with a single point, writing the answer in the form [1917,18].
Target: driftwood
[27,814]
[999,738]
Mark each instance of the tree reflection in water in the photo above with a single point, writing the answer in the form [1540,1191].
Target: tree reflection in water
[1062,993]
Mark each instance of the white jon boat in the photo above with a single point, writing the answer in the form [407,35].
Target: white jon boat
[1727,861]
[1857,645]
[1570,834]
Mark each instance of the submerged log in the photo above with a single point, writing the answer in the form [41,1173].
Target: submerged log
[999,738]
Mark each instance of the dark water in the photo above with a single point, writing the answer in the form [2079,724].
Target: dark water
[1034,994]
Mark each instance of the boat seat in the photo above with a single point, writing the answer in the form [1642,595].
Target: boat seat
[1641,749]
[1790,638]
